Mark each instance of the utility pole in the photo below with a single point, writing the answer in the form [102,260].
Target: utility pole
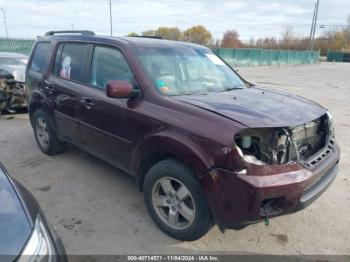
[3,13]
[72,25]
[110,16]
[312,24]
[314,27]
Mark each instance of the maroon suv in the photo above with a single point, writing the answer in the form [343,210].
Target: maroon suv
[204,145]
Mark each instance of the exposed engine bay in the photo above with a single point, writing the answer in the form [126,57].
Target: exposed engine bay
[12,94]
[12,81]
[307,144]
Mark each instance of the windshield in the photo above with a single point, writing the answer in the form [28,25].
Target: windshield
[12,61]
[186,70]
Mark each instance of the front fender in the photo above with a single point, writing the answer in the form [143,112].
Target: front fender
[184,149]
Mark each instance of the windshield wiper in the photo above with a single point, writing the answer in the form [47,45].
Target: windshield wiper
[232,88]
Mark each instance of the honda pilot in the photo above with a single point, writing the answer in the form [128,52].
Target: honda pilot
[204,145]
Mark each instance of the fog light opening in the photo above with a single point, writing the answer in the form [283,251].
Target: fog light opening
[272,207]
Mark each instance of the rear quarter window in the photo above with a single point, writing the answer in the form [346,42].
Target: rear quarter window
[40,57]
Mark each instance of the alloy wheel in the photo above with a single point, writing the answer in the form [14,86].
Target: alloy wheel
[173,203]
[42,132]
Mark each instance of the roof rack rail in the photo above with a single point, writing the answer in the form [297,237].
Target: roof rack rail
[82,32]
[148,36]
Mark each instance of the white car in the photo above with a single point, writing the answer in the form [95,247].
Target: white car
[12,78]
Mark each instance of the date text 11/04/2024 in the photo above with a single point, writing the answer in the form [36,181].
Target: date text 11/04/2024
[174,258]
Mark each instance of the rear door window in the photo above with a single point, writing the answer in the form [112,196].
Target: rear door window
[109,64]
[70,61]
[40,57]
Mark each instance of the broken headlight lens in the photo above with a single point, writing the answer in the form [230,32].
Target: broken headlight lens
[330,124]
[249,158]
[18,76]
[254,145]
[263,146]
[252,160]
[248,146]
[39,246]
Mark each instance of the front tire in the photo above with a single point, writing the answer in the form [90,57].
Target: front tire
[175,200]
[45,136]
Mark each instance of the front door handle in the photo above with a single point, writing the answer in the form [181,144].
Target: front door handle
[48,86]
[61,100]
[48,83]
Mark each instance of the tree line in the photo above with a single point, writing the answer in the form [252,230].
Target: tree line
[333,39]
[195,34]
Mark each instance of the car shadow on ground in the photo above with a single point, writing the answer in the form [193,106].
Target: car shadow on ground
[109,200]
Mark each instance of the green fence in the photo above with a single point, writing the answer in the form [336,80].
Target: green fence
[233,56]
[251,56]
[12,45]
[335,56]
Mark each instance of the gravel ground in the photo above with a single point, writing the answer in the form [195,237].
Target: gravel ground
[97,209]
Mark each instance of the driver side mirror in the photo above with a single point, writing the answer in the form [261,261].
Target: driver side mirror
[120,89]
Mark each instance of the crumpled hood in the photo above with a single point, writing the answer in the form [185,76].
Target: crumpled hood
[14,224]
[258,107]
[17,71]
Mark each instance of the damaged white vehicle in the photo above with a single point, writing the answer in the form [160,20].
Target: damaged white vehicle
[12,78]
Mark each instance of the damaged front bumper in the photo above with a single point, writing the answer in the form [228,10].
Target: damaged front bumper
[240,199]
[12,95]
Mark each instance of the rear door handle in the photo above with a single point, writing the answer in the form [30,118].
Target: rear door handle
[87,101]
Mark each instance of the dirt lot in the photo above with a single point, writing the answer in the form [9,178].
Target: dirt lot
[97,209]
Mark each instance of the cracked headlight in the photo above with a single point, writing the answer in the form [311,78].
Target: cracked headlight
[39,246]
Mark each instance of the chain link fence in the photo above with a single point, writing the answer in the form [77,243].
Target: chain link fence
[252,56]
[13,45]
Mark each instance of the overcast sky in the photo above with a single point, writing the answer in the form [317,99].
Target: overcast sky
[251,18]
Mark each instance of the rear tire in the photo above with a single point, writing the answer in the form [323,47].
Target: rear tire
[175,200]
[45,136]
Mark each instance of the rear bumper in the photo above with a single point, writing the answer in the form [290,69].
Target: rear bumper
[238,200]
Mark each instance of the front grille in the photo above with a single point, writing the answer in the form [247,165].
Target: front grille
[321,155]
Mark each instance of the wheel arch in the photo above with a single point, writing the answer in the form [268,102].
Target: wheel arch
[159,148]
[36,102]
